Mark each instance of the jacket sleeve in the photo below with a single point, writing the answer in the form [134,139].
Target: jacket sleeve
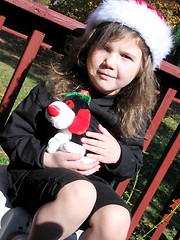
[22,138]
[131,159]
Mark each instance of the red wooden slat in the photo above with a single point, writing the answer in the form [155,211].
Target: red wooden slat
[61,20]
[121,187]
[177,100]
[17,34]
[23,36]
[156,179]
[166,102]
[170,68]
[19,75]
[171,205]
[2,20]
[46,13]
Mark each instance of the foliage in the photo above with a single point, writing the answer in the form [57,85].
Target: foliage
[171,12]
[150,219]
[174,58]
[39,72]
[163,220]
[11,49]
[43,2]
[169,9]
[78,9]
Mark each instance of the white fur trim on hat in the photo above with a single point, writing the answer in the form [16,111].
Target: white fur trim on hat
[142,18]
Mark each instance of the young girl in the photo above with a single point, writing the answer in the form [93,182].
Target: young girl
[114,59]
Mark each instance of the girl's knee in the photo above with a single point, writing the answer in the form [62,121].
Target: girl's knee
[112,222]
[79,190]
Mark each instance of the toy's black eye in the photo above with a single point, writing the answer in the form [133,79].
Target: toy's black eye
[70,103]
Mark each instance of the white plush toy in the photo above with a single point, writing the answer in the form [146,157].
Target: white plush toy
[72,119]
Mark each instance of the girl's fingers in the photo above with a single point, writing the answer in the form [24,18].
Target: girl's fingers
[98,149]
[89,172]
[103,130]
[99,136]
[80,166]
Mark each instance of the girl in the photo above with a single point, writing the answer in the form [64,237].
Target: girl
[114,60]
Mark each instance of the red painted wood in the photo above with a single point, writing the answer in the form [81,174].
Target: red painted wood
[177,100]
[171,205]
[121,187]
[159,116]
[169,97]
[46,13]
[62,20]
[156,178]
[19,75]
[15,33]
[23,36]
[170,68]
[2,20]
[157,234]
[21,72]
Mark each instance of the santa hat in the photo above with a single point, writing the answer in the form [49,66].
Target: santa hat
[141,17]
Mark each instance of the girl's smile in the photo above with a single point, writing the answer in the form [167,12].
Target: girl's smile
[105,76]
[114,66]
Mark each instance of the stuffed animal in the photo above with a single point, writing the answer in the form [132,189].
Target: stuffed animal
[72,119]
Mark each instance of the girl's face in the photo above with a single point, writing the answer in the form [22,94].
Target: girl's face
[115,65]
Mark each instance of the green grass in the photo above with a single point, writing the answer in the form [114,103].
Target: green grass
[10,52]
[155,151]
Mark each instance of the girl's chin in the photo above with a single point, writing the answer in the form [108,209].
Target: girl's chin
[107,92]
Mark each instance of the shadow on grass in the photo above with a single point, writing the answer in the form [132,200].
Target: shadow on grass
[11,49]
[167,185]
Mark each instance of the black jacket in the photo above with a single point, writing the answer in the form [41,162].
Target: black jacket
[27,132]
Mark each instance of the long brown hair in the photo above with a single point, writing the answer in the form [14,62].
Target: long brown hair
[135,102]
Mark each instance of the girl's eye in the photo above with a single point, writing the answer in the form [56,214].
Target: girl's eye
[126,57]
[70,103]
[106,48]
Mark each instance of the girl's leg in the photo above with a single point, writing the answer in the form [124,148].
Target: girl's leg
[63,216]
[110,222]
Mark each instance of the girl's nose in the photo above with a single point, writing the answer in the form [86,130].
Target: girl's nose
[110,61]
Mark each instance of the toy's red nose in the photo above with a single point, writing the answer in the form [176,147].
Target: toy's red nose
[53,110]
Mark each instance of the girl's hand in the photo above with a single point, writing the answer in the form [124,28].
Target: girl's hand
[61,159]
[103,146]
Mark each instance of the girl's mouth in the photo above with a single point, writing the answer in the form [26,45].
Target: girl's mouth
[105,76]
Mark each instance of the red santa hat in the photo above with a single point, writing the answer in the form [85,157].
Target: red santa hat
[141,17]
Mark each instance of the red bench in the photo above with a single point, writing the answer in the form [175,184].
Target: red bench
[37,24]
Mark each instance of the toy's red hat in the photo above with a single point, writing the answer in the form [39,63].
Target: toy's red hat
[141,17]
